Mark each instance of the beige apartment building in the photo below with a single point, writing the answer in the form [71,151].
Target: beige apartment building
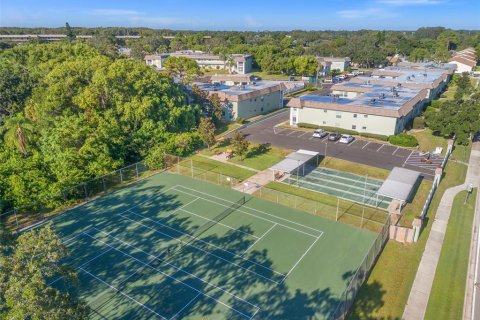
[237,63]
[245,99]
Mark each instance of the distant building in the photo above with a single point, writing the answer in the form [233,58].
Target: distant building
[240,63]
[465,60]
[242,97]
[334,63]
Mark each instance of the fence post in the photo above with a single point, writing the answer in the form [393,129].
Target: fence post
[191,166]
[104,186]
[136,169]
[121,176]
[16,218]
[85,189]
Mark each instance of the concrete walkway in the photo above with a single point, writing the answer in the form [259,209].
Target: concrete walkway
[420,292]
[471,308]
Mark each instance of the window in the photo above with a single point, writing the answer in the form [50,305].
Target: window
[354,115]
[364,128]
[365,115]
[325,110]
[294,120]
[338,116]
[261,109]
[261,99]
[354,127]
[324,122]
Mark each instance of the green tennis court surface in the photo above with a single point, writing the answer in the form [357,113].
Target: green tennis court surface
[343,185]
[154,250]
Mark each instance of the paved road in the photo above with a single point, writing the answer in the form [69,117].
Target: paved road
[374,154]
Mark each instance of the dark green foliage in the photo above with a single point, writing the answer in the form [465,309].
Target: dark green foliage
[329,129]
[75,114]
[418,123]
[403,140]
[374,136]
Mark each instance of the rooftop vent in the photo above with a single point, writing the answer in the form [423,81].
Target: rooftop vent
[372,101]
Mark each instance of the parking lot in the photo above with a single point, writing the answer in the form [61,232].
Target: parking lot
[377,154]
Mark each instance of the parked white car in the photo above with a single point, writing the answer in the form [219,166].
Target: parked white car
[346,138]
[319,133]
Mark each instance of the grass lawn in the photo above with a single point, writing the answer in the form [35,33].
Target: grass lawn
[260,158]
[211,72]
[355,168]
[269,76]
[428,142]
[414,208]
[219,167]
[226,127]
[386,291]
[449,93]
[451,272]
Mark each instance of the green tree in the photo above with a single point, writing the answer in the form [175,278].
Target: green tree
[70,33]
[16,84]
[206,129]
[419,54]
[464,86]
[240,144]
[306,65]
[183,68]
[216,107]
[26,268]
[16,132]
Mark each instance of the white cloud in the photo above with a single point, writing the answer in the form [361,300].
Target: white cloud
[410,2]
[377,13]
[251,22]
[115,12]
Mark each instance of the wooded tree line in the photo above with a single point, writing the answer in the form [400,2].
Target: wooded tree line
[69,113]
[275,52]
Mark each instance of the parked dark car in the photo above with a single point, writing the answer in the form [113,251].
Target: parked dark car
[333,136]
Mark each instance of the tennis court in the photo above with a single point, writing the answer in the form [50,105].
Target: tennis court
[343,185]
[170,247]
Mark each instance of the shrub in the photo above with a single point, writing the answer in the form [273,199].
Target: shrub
[374,136]
[419,123]
[329,129]
[403,140]
[240,120]
[435,104]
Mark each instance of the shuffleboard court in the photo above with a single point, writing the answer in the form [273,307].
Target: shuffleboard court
[170,247]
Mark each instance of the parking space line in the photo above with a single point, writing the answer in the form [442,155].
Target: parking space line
[393,153]
[290,133]
[407,159]
[303,134]
[366,145]
[380,147]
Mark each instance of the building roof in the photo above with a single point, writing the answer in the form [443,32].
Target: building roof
[241,92]
[379,100]
[412,79]
[333,59]
[399,184]
[429,66]
[155,56]
[462,60]
[232,77]
[294,161]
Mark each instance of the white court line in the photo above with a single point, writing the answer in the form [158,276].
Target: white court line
[123,293]
[258,240]
[185,306]
[380,147]
[393,153]
[168,276]
[304,254]
[263,212]
[83,264]
[181,208]
[219,223]
[175,267]
[257,217]
[207,243]
[366,145]
[200,249]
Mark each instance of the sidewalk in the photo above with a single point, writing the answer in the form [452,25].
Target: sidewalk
[471,298]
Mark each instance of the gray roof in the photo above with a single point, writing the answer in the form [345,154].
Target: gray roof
[399,184]
[294,160]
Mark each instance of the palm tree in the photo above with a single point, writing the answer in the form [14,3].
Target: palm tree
[230,63]
[15,131]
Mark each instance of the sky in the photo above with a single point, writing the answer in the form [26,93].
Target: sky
[251,15]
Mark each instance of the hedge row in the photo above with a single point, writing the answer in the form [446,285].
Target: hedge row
[329,129]
[374,136]
[403,140]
